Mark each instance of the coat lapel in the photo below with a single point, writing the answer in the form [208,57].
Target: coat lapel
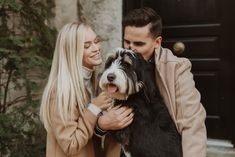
[160,61]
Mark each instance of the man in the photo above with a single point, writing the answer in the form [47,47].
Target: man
[142,34]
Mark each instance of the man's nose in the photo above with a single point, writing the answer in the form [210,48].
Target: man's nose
[131,47]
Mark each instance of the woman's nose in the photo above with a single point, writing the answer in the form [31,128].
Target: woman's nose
[95,47]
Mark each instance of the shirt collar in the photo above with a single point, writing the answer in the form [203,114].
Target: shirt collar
[158,54]
[152,59]
[87,73]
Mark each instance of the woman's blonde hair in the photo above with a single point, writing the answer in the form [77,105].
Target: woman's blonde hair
[65,86]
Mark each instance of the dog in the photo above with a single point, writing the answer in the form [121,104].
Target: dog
[130,80]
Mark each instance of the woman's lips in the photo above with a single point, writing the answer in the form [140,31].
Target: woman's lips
[96,56]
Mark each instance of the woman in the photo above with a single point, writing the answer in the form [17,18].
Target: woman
[69,110]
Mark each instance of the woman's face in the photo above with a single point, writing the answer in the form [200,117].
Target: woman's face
[92,56]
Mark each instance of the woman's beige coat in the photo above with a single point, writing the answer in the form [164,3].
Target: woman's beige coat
[75,139]
[176,85]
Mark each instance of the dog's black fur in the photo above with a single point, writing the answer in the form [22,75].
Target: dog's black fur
[153,132]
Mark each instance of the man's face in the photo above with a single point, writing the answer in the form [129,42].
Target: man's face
[139,39]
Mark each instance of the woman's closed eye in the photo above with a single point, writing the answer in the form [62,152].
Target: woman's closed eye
[89,43]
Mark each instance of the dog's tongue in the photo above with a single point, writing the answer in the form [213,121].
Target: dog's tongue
[112,88]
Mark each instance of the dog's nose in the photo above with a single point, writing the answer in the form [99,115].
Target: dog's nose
[111,77]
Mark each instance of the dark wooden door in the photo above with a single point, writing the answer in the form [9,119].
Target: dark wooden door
[206,28]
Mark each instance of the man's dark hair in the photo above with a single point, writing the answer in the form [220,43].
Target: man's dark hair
[142,17]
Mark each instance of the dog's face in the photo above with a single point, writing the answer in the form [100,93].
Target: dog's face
[119,77]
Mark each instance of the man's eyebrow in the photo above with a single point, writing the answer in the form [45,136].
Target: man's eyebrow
[134,41]
[139,42]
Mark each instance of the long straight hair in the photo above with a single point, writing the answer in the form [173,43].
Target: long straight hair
[65,86]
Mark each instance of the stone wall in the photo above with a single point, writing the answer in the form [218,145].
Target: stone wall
[65,12]
[104,16]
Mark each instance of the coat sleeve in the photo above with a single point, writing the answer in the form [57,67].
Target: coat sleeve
[190,116]
[76,134]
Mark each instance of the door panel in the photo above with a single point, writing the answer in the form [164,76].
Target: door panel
[193,30]
[206,29]
[185,11]
[210,46]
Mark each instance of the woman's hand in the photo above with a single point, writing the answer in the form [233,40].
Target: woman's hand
[116,118]
[103,101]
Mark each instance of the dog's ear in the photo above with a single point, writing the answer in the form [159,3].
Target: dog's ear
[110,58]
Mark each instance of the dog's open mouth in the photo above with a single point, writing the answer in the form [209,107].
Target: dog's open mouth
[112,88]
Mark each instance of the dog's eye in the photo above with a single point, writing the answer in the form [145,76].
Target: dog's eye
[126,65]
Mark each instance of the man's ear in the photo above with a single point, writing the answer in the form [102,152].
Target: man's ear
[158,41]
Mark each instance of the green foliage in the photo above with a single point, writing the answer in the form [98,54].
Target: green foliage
[22,135]
[26,48]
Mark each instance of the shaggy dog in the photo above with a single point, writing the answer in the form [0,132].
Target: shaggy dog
[130,80]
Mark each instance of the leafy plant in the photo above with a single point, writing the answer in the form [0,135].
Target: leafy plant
[21,133]
[26,48]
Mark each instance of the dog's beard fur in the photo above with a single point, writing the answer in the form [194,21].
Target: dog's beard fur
[123,81]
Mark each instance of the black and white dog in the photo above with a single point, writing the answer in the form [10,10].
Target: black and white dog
[130,80]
